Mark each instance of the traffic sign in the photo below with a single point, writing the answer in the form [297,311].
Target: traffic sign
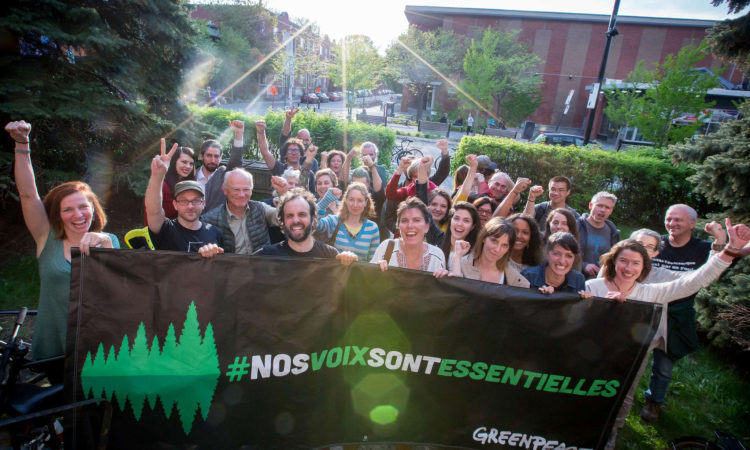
[273,90]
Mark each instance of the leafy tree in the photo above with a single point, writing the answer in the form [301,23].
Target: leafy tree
[307,60]
[93,77]
[441,49]
[363,64]
[496,69]
[655,98]
[246,35]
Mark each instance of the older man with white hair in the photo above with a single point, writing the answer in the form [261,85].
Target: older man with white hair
[682,252]
[243,222]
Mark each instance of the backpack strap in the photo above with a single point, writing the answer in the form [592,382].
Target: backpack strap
[389,250]
[332,239]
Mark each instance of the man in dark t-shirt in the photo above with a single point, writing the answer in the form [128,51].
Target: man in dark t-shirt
[297,218]
[186,233]
[682,252]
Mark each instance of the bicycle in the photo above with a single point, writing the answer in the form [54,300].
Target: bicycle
[722,441]
[32,410]
[403,149]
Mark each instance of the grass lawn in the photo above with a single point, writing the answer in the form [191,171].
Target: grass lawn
[706,393]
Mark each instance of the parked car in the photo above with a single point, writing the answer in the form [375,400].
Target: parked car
[559,139]
[322,97]
[309,98]
[333,97]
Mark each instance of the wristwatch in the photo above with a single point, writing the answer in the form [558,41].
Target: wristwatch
[717,247]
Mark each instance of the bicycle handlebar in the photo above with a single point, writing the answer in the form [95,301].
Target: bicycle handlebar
[21,316]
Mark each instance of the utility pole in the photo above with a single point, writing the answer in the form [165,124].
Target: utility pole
[611,32]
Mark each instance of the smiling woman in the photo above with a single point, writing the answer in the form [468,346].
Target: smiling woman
[557,274]
[410,251]
[489,260]
[351,229]
[181,168]
[70,216]
[628,264]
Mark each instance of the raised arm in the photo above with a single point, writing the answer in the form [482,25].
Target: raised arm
[391,189]
[286,129]
[331,196]
[720,236]
[34,214]
[159,165]
[235,155]
[534,193]
[377,182]
[469,180]
[260,127]
[521,185]
[444,168]
[304,173]
[346,168]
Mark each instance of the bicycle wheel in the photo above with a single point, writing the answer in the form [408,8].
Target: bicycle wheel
[694,442]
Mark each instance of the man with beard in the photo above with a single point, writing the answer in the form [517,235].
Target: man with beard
[186,233]
[303,135]
[297,219]
[211,174]
[294,151]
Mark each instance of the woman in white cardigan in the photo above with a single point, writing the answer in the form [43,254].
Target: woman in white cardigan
[627,265]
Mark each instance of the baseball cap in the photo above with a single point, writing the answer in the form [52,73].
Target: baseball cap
[189,185]
[484,162]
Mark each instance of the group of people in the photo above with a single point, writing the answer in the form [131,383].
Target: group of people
[338,209]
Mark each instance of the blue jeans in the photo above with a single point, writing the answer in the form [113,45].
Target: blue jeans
[661,375]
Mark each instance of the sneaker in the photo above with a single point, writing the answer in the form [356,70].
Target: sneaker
[650,411]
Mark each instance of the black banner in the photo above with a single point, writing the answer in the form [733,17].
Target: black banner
[283,353]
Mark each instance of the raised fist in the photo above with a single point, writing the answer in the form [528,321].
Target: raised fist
[19,131]
[535,192]
[442,145]
[237,126]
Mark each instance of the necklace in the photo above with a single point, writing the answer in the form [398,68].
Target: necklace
[619,289]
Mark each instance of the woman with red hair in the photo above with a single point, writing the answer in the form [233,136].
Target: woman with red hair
[70,216]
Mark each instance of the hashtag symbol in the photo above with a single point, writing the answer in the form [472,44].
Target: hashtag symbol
[238,369]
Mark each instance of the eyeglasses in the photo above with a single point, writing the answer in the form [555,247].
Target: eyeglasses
[194,202]
[243,190]
[651,248]
[484,212]
[293,149]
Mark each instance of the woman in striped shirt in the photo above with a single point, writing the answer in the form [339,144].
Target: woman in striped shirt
[351,229]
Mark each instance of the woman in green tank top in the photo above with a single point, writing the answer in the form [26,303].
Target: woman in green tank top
[70,216]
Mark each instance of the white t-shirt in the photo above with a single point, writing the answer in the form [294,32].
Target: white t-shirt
[432,258]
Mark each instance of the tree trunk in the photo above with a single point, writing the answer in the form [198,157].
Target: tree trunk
[421,91]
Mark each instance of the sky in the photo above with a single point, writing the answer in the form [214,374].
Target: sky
[384,20]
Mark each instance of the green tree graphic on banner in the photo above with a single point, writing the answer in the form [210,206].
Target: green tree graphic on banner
[182,374]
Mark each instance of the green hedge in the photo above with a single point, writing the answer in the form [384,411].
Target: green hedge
[644,185]
[327,131]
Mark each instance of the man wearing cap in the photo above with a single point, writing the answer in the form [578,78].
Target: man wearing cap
[186,233]
[559,190]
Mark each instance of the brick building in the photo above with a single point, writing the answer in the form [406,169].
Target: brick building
[571,48]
